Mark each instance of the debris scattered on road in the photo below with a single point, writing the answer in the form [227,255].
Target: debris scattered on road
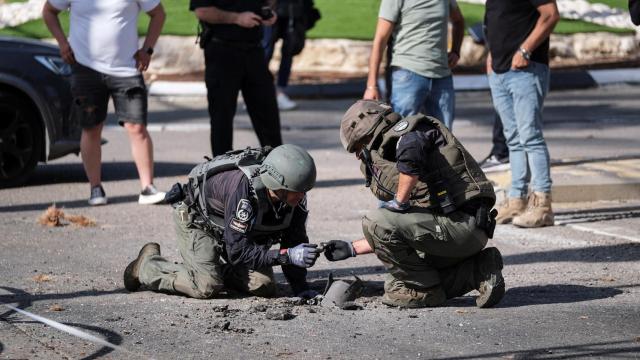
[259,308]
[460,311]
[42,278]
[54,217]
[279,314]
[56,307]
[342,293]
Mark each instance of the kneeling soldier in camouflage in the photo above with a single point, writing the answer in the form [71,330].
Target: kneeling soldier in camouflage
[234,208]
[435,212]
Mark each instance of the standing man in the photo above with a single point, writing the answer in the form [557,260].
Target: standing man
[234,208]
[235,61]
[434,218]
[106,62]
[517,32]
[421,65]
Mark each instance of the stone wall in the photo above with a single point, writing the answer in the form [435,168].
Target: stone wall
[180,55]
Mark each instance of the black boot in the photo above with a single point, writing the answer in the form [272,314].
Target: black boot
[131,276]
[490,282]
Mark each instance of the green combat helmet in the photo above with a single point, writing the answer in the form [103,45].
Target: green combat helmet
[360,121]
[288,167]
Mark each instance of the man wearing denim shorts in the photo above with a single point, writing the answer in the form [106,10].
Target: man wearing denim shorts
[106,62]
[421,66]
[517,32]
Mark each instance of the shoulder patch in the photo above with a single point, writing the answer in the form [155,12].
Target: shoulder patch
[239,226]
[244,211]
[401,125]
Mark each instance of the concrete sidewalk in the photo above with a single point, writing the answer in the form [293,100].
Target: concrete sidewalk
[560,80]
[585,180]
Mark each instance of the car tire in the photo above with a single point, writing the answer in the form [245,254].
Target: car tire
[21,139]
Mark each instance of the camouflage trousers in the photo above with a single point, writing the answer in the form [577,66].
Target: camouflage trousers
[203,272]
[423,249]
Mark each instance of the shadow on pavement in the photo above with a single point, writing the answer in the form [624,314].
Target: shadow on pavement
[67,204]
[605,253]
[624,349]
[111,171]
[24,300]
[554,294]
[108,335]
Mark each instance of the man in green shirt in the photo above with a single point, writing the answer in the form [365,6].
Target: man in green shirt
[421,62]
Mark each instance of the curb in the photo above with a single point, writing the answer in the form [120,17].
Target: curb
[560,80]
[588,180]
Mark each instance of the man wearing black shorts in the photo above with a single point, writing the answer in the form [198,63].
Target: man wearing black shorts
[109,63]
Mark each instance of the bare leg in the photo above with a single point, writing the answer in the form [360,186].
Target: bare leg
[91,152]
[142,152]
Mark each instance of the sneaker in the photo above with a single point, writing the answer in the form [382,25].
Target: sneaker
[285,103]
[131,273]
[396,293]
[494,163]
[98,197]
[150,195]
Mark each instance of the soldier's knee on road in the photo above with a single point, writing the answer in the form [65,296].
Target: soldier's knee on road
[262,286]
[208,286]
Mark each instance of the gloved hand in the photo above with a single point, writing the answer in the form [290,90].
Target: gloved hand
[336,250]
[394,205]
[303,255]
[308,294]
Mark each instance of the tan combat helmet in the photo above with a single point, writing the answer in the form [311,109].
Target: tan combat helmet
[360,121]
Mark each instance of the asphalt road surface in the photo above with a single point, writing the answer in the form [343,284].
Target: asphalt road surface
[572,291]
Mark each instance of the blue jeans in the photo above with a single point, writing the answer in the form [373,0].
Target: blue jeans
[518,97]
[412,93]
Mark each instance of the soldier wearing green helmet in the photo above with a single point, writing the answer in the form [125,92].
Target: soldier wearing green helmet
[434,218]
[234,208]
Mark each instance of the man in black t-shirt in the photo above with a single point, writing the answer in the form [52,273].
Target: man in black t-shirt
[517,33]
[234,61]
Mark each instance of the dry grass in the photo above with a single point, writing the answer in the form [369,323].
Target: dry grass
[54,217]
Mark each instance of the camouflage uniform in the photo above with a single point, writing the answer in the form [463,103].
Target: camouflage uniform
[436,243]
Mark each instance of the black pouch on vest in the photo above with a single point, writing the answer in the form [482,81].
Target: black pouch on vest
[486,220]
[175,194]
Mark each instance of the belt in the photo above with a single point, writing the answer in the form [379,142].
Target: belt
[236,44]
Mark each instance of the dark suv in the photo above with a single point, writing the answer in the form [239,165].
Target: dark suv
[36,121]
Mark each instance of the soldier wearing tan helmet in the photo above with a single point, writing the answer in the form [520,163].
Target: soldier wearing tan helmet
[434,218]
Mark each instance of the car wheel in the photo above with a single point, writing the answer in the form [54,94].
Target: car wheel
[21,139]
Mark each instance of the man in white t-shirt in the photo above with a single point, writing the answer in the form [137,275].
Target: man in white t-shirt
[107,62]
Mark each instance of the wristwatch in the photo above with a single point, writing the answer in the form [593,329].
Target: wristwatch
[525,54]
[149,50]
[283,257]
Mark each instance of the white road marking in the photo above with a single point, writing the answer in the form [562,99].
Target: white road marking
[605,233]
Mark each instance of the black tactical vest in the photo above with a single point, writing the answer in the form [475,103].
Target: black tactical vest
[248,161]
[451,168]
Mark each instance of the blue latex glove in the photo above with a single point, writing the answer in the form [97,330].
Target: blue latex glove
[394,205]
[308,294]
[303,255]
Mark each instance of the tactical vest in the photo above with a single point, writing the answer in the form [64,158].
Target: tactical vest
[452,168]
[248,161]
